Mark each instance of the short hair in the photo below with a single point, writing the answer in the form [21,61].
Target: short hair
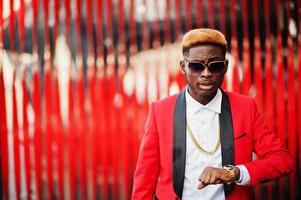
[203,36]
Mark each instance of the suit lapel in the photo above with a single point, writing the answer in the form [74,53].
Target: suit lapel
[179,141]
[179,144]
[226,134]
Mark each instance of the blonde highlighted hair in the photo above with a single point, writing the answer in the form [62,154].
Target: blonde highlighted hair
[203,36]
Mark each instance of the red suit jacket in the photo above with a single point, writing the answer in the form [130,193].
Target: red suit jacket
[161,163]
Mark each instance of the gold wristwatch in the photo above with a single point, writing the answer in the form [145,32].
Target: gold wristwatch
[231,171]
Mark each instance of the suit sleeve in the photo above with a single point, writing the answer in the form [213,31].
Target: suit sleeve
[147,169]
[273,160]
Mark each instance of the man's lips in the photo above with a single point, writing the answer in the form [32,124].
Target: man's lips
[206,83]
[206,86]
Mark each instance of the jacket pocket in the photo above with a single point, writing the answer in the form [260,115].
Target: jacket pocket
[240,136]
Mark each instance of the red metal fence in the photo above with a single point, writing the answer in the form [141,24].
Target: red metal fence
[76,79]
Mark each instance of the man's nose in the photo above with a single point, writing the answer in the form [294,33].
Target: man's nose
[206,72]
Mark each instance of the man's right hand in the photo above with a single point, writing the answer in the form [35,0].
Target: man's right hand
[213,175]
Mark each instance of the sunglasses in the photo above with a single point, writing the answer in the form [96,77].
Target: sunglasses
[197,67]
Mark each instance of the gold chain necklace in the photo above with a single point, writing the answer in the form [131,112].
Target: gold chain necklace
[200,148]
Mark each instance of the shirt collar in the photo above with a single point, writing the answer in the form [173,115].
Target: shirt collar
[194,106]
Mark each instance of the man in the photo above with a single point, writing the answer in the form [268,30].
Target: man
[198,144]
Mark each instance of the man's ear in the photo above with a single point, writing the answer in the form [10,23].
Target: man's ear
[182,65]
[226,66]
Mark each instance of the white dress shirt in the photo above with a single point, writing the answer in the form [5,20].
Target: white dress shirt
[204,123]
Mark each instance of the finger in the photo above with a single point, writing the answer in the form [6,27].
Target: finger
[203,176]
[207,177]
[201,185]
[214,177]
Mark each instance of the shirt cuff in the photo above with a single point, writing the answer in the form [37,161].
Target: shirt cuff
[244,176]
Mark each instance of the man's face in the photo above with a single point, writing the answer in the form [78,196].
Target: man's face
[203,84]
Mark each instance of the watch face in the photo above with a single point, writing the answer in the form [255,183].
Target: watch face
[229,166]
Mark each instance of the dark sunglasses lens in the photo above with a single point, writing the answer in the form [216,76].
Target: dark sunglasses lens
[196,67]
[216,67]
